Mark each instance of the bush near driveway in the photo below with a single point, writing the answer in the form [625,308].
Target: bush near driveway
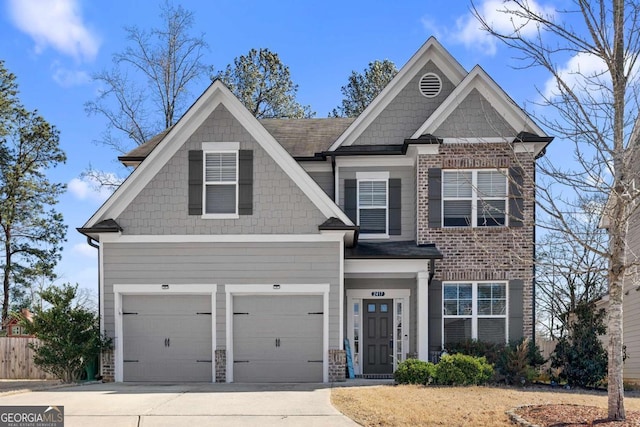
[457,369]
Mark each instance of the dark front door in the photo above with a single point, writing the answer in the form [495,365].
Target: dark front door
[378,336]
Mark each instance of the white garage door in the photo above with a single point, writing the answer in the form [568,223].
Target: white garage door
[277,338]
[167,338]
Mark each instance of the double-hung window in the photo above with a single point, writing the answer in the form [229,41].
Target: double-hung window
[475,310]
[221,183]
[373,206]
[474,198]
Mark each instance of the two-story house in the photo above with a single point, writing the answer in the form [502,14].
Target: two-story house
[245,250]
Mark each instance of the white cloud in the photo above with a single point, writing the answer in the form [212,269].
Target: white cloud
[57,24]
[68,78]
[499,15]
[87,188]
[85,250]
[577,72]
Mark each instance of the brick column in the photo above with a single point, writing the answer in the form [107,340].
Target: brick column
[221,366]
[337,365]
[107,366]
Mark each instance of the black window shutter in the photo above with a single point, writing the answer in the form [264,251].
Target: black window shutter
[245,182]
[395,226]
[435,197]
[195,182]
[350,199]
[516,200]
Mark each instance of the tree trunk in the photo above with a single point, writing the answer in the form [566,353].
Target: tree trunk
[6,280]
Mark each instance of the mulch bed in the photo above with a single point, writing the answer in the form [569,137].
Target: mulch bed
[573,415]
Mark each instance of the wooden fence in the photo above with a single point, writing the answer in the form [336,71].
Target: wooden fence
[16,360]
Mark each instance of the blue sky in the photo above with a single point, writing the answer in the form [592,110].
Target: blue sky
[54,46]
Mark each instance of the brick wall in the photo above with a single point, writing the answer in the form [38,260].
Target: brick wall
[493,253]
[107,366]
[337,365]
[221,366]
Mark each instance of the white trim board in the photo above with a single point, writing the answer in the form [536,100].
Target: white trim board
[216,94]
[222,238]
[368,266]
[156,289]
[278,289]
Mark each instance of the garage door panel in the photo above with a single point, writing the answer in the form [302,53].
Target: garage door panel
[262,371]
[278,338]
[165,339]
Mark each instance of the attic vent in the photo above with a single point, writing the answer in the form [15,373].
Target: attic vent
[430,85]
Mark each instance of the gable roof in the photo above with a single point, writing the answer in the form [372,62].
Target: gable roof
[217,93]
[431,50]
[300,137]
[306,137]
[497,97]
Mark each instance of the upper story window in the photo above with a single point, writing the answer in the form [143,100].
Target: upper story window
[373,204]
[474,198]
[474,311]
[220,183]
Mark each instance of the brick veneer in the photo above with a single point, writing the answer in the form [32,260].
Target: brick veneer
[337,365]
[493,253]
[107,366]
[221,366]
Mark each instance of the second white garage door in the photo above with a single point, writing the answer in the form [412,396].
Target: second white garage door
[277,338]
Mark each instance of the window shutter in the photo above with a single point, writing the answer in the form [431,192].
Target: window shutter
[195,182]
[395,199]
[245,182]
[435,197]
[350,199]
[516,200]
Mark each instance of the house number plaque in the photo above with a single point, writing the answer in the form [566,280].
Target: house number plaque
[377,293]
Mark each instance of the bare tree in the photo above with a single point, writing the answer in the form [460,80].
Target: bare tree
[569,273]
[147,89]
[594,105]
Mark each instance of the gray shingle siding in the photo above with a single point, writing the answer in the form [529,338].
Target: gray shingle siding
[223,263]
[475,118]
[325,181]
[279,205]
[406,113]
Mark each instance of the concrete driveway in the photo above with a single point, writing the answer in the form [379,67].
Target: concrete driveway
[139,405]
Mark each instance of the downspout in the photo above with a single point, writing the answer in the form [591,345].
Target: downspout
[333,172]
[535,262]
[94,245]
[432,270]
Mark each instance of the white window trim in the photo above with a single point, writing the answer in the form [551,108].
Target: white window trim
[474,198]
[229,149]
[373,176]
[474,308]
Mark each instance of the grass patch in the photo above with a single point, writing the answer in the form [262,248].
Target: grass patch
[413,405]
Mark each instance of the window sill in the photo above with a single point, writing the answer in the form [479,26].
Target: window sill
[220,216]
[373,236]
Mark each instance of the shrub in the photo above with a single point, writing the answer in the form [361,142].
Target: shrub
[460,369]
[581,357]
[69,335]
[491,351]
[414,371]
[515,363]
